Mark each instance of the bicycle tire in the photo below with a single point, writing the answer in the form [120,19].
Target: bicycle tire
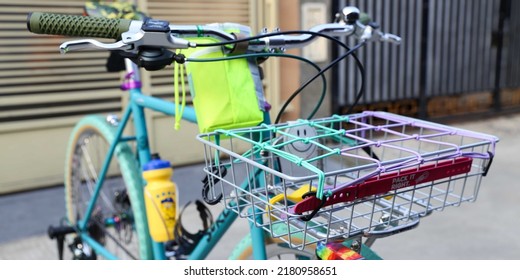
[131,217]
[275,249]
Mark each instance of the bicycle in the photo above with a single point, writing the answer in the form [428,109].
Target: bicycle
[309,188]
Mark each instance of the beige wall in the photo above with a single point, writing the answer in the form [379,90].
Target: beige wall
[290,68]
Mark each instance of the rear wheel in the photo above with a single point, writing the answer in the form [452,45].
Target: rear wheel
[118,220]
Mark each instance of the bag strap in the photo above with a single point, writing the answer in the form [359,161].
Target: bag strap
[178,70]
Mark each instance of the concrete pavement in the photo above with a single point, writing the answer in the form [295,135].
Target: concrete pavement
[486,229]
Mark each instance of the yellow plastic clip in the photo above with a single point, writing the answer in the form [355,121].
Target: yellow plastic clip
[294,197]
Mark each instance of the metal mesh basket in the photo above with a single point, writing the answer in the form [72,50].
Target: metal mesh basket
[371,173]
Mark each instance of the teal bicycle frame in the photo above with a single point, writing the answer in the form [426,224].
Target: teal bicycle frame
[137,104]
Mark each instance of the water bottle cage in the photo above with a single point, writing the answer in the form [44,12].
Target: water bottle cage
[184,241]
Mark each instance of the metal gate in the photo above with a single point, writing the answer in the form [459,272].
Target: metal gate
[457,57]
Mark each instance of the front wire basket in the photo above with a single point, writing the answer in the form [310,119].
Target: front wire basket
[345,176]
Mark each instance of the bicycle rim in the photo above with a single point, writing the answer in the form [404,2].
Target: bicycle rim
[117,221]
[276,249]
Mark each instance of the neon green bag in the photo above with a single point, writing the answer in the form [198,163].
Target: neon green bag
[226,94]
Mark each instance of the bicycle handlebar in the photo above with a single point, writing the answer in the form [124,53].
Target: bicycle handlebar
[76,26]
[157,33]
[135,37]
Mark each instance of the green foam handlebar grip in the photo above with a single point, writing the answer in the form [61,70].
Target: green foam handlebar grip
[76,26]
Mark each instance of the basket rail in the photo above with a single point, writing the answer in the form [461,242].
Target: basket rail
[386,183]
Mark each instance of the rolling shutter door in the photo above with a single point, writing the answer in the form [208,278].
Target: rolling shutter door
[43,93]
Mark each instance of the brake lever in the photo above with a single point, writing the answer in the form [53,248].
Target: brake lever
[92,44]
[369,33]
[148,34]
[391,38]
[154,39]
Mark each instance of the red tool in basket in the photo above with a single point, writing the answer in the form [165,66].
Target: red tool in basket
[387,182]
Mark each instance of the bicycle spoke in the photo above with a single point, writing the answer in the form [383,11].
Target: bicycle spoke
[114,239]
[92,169]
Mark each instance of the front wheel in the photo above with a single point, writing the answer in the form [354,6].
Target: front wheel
[276,249]
[118,220]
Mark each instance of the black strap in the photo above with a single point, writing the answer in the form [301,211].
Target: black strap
[240,47]
[209,182]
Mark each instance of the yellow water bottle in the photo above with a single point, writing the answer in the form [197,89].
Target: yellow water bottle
[160,199]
